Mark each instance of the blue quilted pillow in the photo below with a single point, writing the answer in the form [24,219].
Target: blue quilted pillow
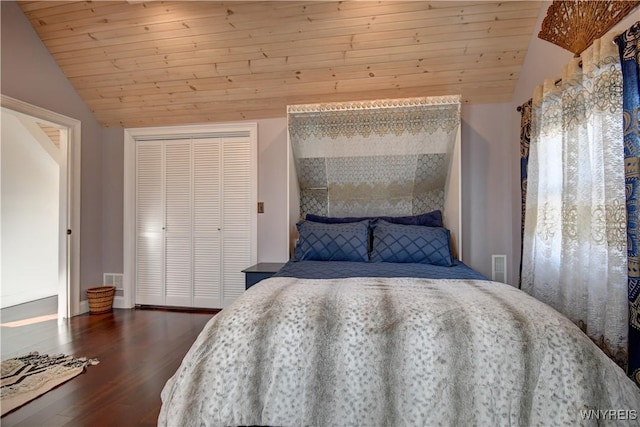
[332,242]
[429,219]
[411,243]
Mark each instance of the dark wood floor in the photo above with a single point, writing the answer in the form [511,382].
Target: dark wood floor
[138,351]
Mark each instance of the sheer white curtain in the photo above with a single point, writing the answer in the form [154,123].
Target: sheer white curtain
[574,245]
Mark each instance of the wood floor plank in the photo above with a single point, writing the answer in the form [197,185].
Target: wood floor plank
[138,351]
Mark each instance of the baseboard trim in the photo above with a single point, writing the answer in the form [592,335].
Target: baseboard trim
[84,307]
[118,302]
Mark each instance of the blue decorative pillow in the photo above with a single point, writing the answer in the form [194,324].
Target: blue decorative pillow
[411,243]
[332,242]
[429,219]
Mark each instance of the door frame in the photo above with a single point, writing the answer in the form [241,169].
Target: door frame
[129,202]
[69,244]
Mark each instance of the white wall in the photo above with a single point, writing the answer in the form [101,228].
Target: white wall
[486,186]
[30,74]
[112,199]
[272,190]
[490,150]
[486,189]
[29,217]
[491,173]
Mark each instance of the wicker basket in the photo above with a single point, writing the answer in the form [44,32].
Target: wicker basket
[101,299]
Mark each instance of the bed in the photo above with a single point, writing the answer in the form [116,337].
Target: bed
[370,333]
[375,320]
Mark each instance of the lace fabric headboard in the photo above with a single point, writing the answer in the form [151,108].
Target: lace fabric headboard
[372,158]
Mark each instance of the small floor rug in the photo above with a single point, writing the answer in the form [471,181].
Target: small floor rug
[27,377]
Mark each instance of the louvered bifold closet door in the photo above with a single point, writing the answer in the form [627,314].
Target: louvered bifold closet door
[236,223]
[149,256]
[179,212]
[195,220]
[207,223]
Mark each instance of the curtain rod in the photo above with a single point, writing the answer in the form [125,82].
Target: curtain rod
[557,82]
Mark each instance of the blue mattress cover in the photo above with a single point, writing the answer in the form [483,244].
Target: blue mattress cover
[308,269]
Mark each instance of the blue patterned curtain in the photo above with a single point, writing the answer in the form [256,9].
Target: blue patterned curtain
[525,139]
[629,48]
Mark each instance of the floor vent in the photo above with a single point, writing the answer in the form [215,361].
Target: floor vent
[112,279]
[499,268]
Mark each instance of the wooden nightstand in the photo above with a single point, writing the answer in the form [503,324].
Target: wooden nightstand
[258,272]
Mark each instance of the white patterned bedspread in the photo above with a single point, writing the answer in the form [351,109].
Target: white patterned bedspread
[396,352]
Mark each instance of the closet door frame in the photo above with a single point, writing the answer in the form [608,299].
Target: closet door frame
[131,135]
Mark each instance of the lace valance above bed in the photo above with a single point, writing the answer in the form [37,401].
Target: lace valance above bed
[386,157]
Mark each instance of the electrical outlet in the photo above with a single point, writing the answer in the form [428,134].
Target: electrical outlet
[260,207]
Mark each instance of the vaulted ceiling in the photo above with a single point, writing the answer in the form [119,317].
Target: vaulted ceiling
[153,63]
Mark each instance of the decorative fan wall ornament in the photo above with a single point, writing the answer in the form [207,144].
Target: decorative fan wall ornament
[574,25]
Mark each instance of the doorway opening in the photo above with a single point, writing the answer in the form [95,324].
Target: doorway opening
[39,207]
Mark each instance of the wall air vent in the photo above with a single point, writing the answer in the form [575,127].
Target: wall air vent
[499,268]
[112,279]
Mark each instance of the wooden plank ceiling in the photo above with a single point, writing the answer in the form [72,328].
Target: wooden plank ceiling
[52,133]
[163,63]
